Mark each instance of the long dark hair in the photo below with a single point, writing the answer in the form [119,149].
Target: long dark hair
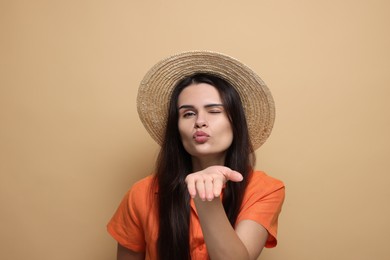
[174,164]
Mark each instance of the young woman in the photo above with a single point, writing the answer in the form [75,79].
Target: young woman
[205,201]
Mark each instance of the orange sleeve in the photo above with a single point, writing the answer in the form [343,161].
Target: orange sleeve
[262,203]
[126,226]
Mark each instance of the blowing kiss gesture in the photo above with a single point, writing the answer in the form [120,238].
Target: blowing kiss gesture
[209,182]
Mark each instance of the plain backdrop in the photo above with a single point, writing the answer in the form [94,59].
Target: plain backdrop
[71,143]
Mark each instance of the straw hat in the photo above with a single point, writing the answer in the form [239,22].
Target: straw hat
[157,85]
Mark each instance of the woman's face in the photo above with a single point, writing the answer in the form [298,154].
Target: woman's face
[204,127]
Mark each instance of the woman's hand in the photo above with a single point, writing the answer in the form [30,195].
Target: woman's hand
[208,183]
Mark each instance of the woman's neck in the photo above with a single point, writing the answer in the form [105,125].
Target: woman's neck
[200,163]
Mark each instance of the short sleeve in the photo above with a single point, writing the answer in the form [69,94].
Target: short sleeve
[125,226]
[262,203]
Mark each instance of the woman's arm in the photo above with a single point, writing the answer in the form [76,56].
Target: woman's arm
[222,240]
[126,254]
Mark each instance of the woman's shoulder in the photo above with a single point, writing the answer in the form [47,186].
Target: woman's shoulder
[145,181]
[142,185]
[140,195]
[261,181]
[264,177]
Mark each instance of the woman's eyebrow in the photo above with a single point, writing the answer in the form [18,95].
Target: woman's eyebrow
[213,105]
[185,107]
[206,106]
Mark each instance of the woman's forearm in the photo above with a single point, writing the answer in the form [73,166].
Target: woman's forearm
[221,239]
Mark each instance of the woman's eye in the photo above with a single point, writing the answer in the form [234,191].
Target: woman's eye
[188,114]
[215,111]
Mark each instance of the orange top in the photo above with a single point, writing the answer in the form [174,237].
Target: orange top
[135,226]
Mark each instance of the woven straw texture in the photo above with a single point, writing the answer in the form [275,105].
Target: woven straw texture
[157,85]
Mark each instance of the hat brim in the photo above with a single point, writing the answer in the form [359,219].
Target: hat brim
[157,85]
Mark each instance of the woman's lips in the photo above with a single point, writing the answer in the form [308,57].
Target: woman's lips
[201,137]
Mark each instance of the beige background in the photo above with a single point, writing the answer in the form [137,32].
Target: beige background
[71,142]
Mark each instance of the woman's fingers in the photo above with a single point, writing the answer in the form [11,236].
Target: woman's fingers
[191,186]
[208,184]
[233,176]
[209,188]
[217,187]
[200,188]
[200,185]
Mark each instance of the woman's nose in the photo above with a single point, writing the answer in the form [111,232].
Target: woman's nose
[200,121]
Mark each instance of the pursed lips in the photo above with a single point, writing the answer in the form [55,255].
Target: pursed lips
[200,137]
